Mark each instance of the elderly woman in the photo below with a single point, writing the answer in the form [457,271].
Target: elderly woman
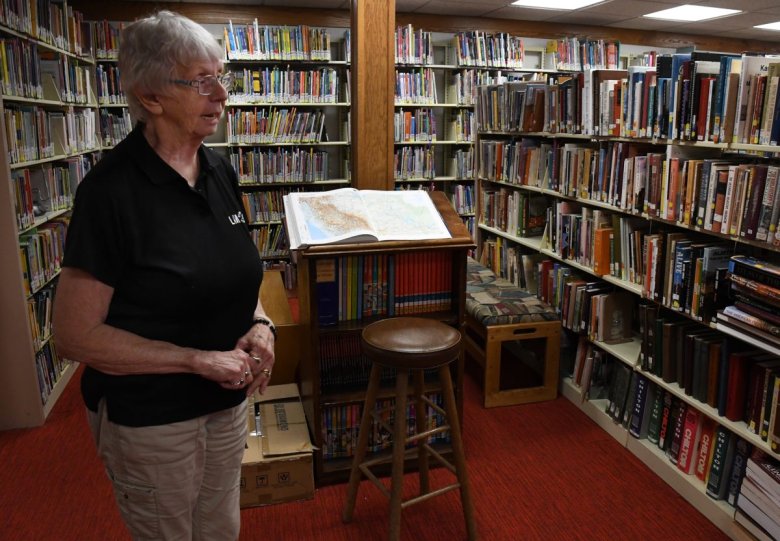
[158,296]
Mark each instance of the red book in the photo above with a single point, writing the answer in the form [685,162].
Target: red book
[736,387]
[689,443]
[704,451]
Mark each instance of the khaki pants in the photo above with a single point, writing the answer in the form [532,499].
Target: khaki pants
[178,481]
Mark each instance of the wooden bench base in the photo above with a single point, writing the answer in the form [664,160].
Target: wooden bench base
[504,353]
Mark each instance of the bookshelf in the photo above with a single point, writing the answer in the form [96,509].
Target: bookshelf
[48,95]
[572,167]
[323,390]
[287,121]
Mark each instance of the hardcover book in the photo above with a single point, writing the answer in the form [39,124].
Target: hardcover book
[348,215]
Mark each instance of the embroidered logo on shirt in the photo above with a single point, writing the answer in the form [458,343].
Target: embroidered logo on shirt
[237,218]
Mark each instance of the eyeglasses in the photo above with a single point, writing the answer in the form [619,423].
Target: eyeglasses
[207,84]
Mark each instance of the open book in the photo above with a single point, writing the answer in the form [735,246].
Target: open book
[350,215]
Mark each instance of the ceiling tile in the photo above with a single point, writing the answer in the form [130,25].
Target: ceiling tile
[467,9]
[525,14]
[626,8]
[742,5]
[406,6]
[583,17]
[646,24]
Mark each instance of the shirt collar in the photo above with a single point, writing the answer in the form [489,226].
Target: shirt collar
[153,165]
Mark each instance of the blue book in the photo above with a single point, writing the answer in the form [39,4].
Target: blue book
[677,61]
[327,289]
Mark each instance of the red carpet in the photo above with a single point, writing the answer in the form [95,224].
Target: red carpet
[538,472]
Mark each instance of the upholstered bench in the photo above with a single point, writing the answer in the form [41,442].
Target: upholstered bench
[514,338]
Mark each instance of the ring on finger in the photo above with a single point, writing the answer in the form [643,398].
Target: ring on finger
[246,373]
[266,372]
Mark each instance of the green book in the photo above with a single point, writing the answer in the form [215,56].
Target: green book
[722,457]
[654,426]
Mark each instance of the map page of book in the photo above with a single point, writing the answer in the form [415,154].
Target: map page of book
[350,215]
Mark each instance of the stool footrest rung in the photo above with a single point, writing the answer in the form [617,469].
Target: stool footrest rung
[443,461]
[427,433]
[374,479]
[428,495]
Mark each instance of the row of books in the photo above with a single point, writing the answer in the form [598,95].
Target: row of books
[754,301]
[354,287]
[418,125]
[106,39]
[115,125]
[39,313]
[51,187]
[516,212]
[279,165]
[72,79]
[34,133]
[724,196]
[694,97]
[414,163]
[489,50]
[416,86]
[462,198]
[413,46]
[285,125]
[269,42]
[55,23]
[49,366]
[41,252]
[286,85]
[696,444]
[758,504]
[270,240]
[341,422]
[108,85]
[573,54]
[20,73]
[266,206]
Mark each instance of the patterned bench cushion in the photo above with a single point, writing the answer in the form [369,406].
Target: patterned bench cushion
[495,301]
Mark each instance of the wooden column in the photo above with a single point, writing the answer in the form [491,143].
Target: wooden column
[373,93]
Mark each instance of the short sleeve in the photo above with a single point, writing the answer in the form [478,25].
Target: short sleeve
[95,241]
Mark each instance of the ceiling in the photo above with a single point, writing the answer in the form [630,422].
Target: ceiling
[610,13]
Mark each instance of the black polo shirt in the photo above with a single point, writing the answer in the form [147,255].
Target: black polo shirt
[183,267]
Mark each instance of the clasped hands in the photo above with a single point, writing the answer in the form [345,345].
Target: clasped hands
[251,363]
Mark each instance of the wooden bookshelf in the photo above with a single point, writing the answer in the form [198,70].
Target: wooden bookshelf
[32,376]
[584,199]
[313,397]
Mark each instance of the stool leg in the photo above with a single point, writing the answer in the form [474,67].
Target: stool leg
[421,414]
[399,443]
[365,430]
[457,449]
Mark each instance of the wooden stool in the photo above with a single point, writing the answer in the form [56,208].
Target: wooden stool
[410,344]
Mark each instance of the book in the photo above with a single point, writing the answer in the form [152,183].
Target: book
[720,467]
[327,291]
[751,526]
[741,453]
[704,451]
[348,215]
[689,442]
[644,399]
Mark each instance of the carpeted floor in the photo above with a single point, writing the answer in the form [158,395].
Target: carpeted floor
[538,472]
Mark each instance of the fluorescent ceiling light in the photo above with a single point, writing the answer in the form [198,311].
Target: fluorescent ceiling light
[769,26]
[559,4]
[691,13]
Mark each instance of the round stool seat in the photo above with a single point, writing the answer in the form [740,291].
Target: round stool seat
[410,342]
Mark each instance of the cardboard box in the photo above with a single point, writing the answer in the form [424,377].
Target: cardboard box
[277,463]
